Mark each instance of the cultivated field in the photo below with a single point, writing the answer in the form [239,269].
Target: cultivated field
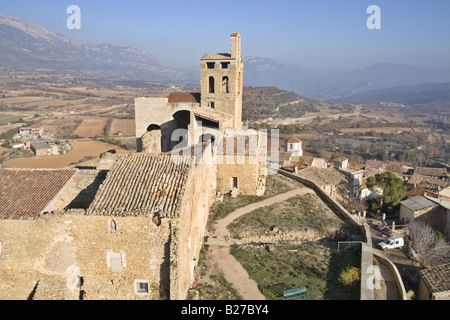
[91,127]
[126,126]
[81,151]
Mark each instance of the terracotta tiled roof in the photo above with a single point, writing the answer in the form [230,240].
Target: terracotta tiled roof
[427,182]
[437,278]
[25,193]
[375,164]
[179,97]
[435,172]
[141,184]
[420,192]
[293,140]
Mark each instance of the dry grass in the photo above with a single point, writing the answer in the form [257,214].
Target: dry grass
[91,127]
[81,150]
[126,126]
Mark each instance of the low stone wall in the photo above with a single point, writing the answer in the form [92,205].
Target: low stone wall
[366,293]
[331,201]
[395,273]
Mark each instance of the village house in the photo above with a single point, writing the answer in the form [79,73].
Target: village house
[43,148]
[294,145]
[425,209]
[354,172]
[139,238]
[31,132]
[437,173]
[435,283]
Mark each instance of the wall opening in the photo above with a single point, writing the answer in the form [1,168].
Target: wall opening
[182,121]
[157,218]
[210,65]
[225,85]
[141,287]
[225,65]
[234,182]
[211,85]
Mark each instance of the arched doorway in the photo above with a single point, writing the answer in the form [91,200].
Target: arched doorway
[180,132]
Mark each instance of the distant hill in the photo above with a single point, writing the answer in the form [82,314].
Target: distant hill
[270,102]
[430,97]
[266,72]
[26,46]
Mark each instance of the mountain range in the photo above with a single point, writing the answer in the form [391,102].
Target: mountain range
[26,46]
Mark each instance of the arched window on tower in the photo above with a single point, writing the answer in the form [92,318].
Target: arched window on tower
[225,85]
[211,84]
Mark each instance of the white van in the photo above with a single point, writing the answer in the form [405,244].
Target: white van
[391,242]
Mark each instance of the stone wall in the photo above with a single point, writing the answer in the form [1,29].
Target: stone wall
[59,248]
[189,229]
[246,170]
[366,292]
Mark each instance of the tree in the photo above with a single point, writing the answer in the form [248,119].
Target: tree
[389,188]
[432,249]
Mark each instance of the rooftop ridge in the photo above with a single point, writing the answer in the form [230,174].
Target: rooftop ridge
[141,184]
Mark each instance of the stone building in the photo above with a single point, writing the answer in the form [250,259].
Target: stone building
[185,118]
[295,146]
[435,283]
[139,238]
[133,227]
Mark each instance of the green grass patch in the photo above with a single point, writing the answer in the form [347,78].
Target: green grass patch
[313,266]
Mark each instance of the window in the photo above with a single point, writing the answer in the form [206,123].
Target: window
[115,261]
[225,85]
[212,105]
[211,85]
[225,65]
[112,225]
[141,287]
[211,65]
[234,182]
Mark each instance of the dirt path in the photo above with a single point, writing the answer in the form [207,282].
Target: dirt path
[233,271]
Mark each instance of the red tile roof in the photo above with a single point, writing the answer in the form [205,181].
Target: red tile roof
[25,193]
[179,97]
[293,140]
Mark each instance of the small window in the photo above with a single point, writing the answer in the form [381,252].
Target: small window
[141,287]
[212,105]
[225,85]
[113,225]
[225,65]
[211,85]
[211,65]
[234,182]
[115,261]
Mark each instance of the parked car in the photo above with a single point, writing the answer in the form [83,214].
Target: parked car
[391,243]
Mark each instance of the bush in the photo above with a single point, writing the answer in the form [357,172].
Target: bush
[349,276]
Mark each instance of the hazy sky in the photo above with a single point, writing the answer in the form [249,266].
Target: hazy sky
[319,34]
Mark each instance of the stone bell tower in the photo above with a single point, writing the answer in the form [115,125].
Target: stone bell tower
[222,81]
